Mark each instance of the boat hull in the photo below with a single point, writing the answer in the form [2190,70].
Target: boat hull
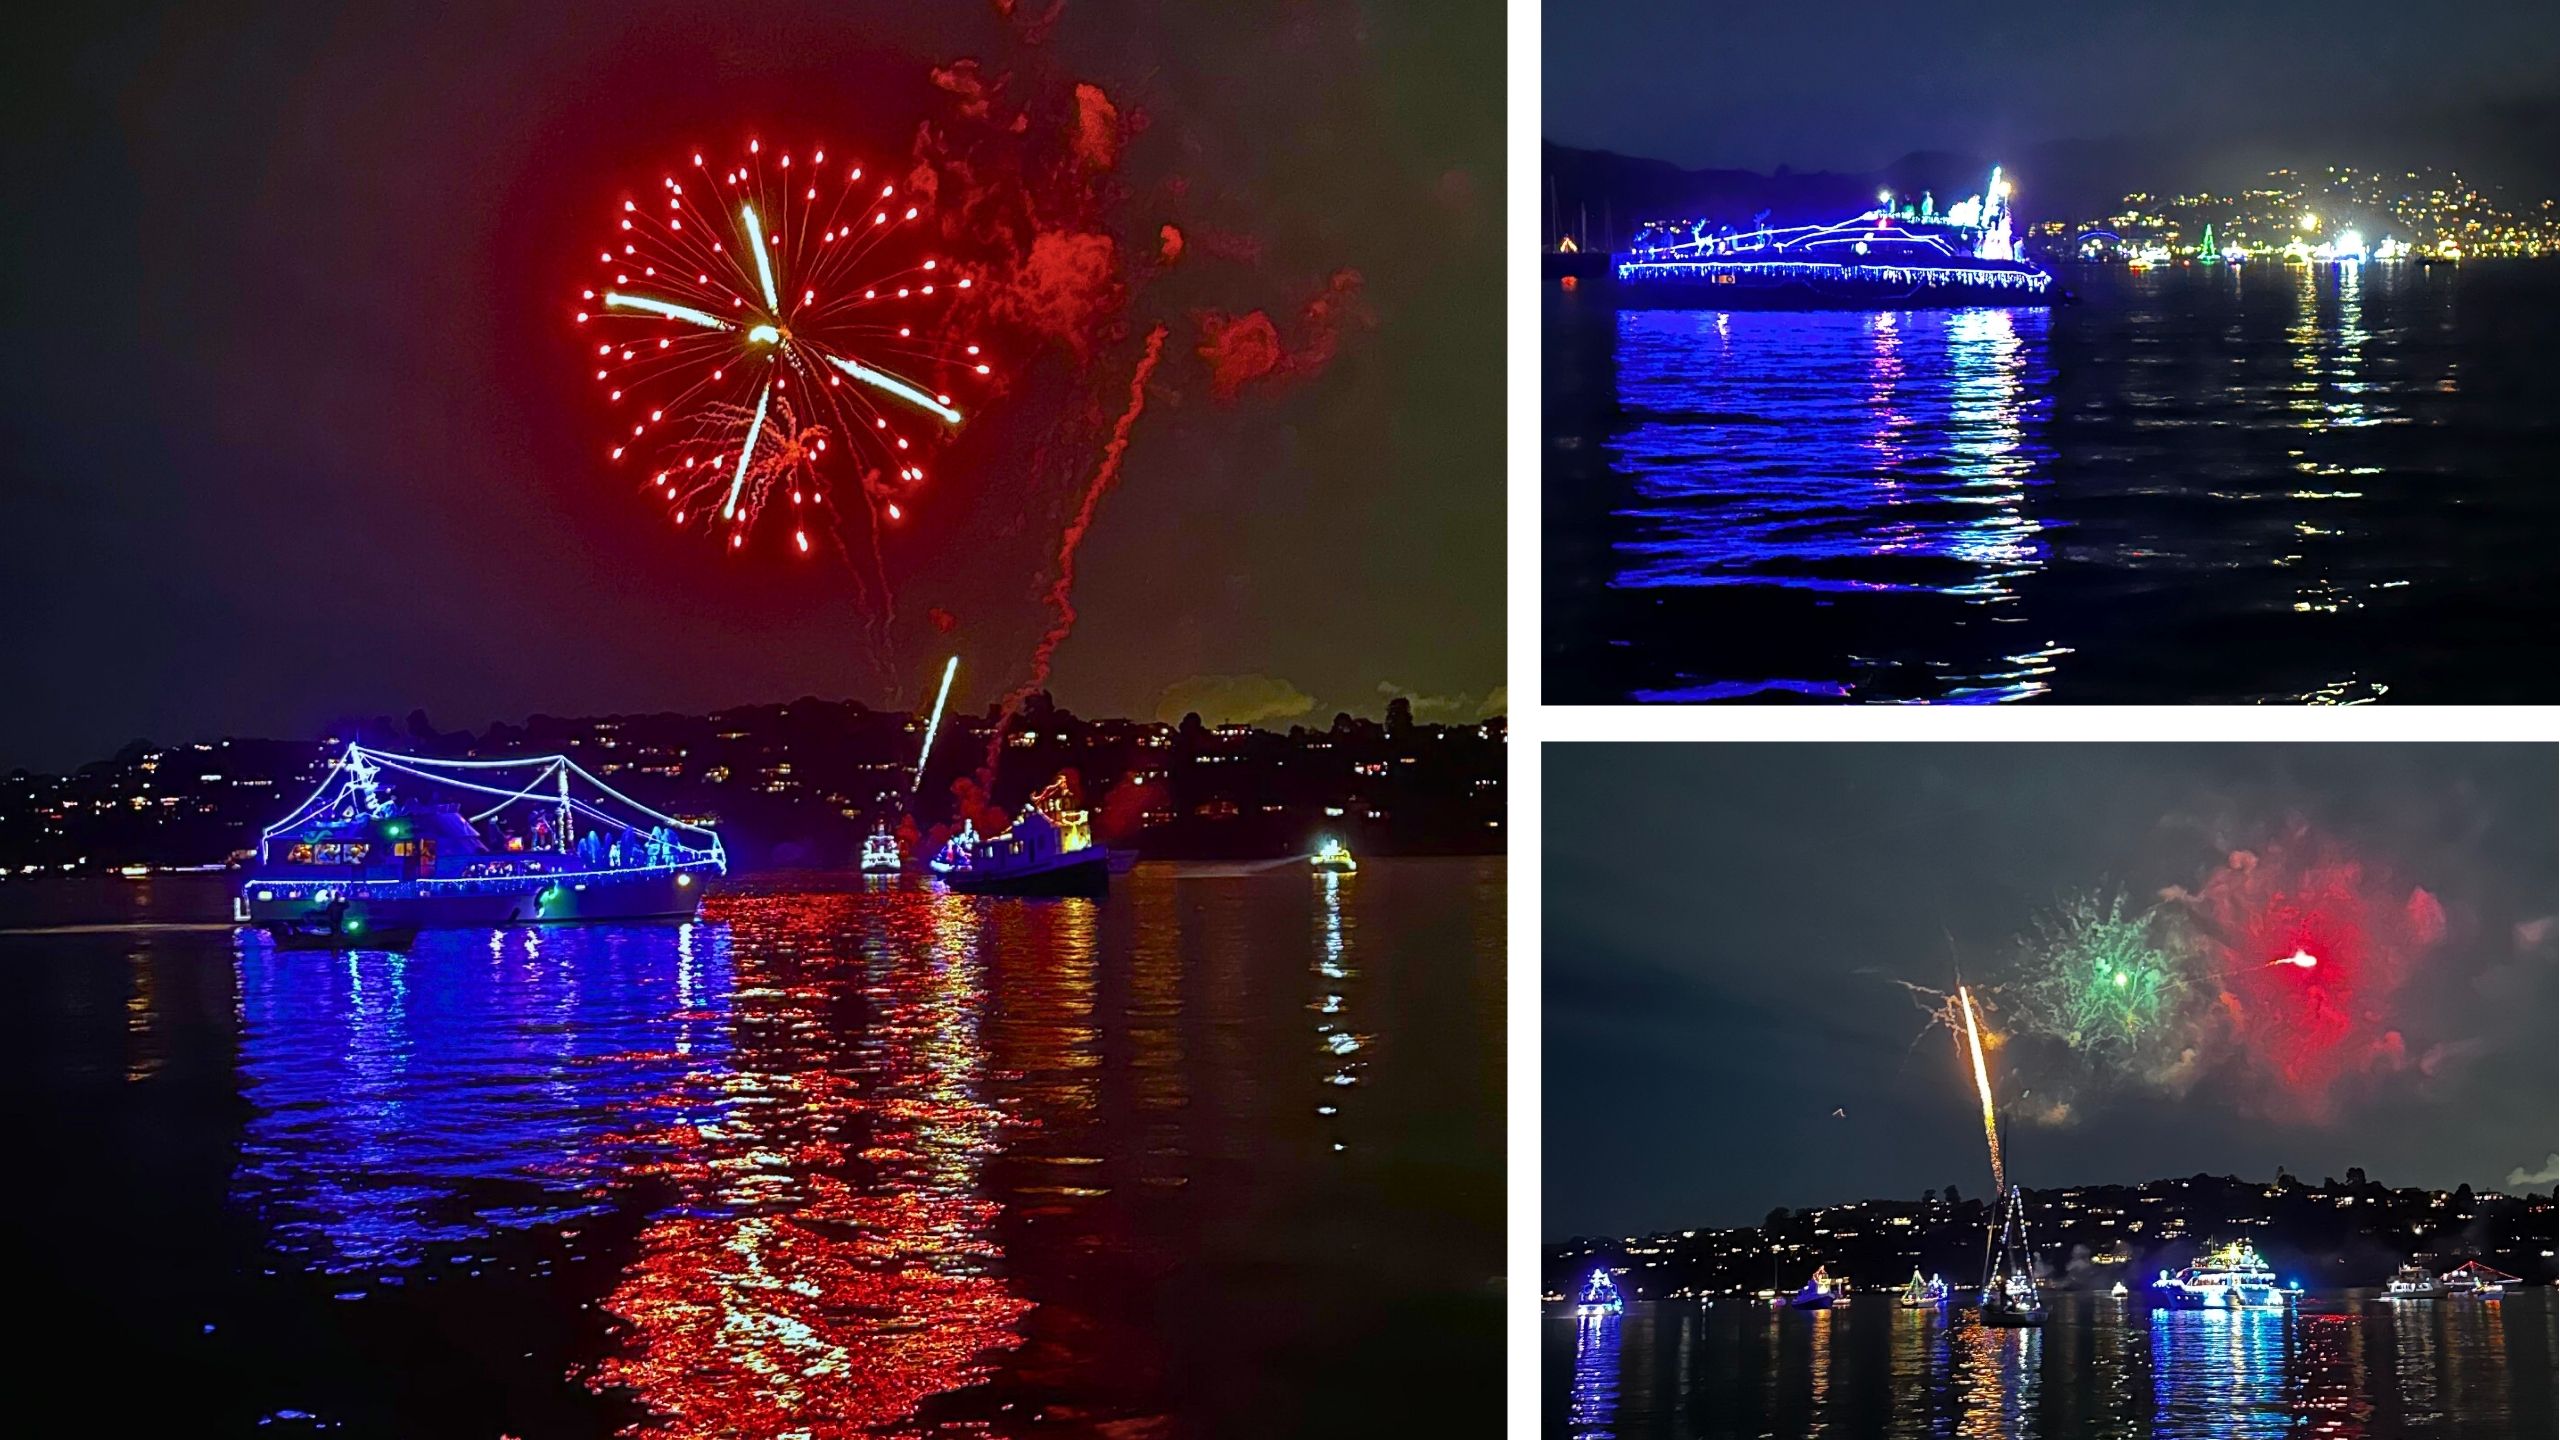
[1999,1319]
[2176,1298]
[1084,872]
[477,903]
[1832,287]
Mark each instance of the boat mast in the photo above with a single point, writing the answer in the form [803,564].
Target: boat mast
[560,772]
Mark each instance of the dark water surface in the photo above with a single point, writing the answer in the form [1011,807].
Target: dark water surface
[2252,485]
[2344,1366]
[1219,1155]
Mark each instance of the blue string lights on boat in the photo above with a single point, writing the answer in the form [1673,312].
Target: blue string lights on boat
[1888,257]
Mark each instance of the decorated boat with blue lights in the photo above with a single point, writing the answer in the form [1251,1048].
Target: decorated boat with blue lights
[1896,256]
[2230,1278]
[1049,850]
[1819,1292]
[391,843]
[1600,1296]
[1924,1294]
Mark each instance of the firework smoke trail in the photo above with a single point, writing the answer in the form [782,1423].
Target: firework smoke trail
[951,668]
[1982,1082]
[1061,590]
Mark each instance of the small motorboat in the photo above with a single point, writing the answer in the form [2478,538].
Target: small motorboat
[1332,857]
[334,927]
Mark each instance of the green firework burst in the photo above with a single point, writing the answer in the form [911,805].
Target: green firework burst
[2099,979]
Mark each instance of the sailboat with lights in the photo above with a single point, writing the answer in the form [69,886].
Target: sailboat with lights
[2010,1298]
[1896,256]
[393,843]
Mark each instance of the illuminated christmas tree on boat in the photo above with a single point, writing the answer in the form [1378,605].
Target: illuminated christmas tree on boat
[1895,256]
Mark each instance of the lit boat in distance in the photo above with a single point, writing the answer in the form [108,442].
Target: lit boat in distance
[1600,1296]
[2473,1279]
[1818,1293]
[1333,856]
[880,853]
[1896,256]
[2230,1278]
[1926,1294]
[391,843]
[2414,1282]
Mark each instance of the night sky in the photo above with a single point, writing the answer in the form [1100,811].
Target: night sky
[298,425]
[1725,925]
[1855,84]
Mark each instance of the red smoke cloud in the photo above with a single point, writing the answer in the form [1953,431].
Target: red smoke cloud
[1243,350]
[1097,138]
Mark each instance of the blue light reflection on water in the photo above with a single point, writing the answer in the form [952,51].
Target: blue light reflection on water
[1595,1377]
[1841,452]
[469,1086]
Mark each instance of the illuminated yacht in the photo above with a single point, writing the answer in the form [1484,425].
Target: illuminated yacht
[1049,851]
[1334,857]
[1896,256]
[880,853]
[2414,1282]
[394,843]
[2231,1278]
[1600,1296]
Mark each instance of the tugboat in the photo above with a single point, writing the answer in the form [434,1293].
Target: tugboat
[380,849]
[1600,1296]
[1333,857]
[1924,1294]
[1819,1292]
[2473,1280]
[2010,1299]
[880,852]
[2231,1278]
[2414,1282]
[1049,851]
[1897,256]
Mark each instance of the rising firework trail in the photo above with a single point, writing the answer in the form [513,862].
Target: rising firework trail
[772,340]
[1105,475]
[1982,1082]
[949,668]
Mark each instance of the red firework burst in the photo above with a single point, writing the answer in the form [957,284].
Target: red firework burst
[2313,947]
[771,329]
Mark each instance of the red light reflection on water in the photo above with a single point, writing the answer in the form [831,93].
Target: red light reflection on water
[831,1261]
